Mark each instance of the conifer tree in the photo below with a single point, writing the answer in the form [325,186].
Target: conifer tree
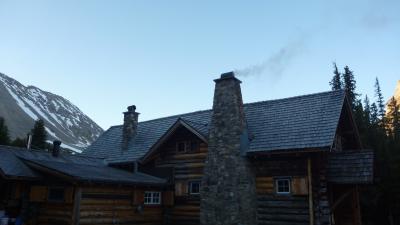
[336,82]
[18,142]
[360,120]
[367,111]
[379,100]
[4,136]
[374,114]
[349,83]
[39,135]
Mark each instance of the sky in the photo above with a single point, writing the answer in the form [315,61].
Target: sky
[162,56]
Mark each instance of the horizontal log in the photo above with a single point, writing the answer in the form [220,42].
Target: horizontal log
[284,217]
[189,176]
[104,202]
[189,155]
[190,165]
[285,211]
[274,222]
[106,190]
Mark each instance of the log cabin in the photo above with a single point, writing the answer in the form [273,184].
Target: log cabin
[294,161]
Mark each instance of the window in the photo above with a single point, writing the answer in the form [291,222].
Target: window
[282,186]
[56,194]
[187,146]
[194,187]
[152,198]
[181,147]
[194,146]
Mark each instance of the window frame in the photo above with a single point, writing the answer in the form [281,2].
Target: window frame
[151,199]
[194,146]
[184,148]
[277,186]
[190,189]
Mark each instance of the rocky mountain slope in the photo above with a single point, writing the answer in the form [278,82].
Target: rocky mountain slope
[397,92]
[20,106]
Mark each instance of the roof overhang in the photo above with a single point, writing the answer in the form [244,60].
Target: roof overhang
[80,180]
[179,123]
[347,106]
[41,168]
[256,153]
[351,167]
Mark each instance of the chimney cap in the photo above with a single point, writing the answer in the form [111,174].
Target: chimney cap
[227,76]
[57,142]
[230,74]
[131,108]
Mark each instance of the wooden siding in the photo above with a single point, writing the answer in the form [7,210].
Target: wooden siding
[51,213]
[282,210]
[186,167]
[109,206]
[278,209]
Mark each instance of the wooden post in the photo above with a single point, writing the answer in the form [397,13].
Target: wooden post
[356,206]
[310,192]
[77,206]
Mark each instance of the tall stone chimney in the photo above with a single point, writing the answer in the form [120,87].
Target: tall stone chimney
[228,195]
[130,126]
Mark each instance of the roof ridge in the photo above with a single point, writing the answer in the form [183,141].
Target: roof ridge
[167,117]
[245,104]
[294,97]
[44,152]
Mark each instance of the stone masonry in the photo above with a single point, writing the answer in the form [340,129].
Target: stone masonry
[228,194]
[130,126]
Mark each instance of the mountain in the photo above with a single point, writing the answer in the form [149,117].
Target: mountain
[397,92]
[20,106]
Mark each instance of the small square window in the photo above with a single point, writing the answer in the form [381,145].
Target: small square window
[56,194]
[194,187]
[152,198]
[282,186]
[181,147]
[194,146]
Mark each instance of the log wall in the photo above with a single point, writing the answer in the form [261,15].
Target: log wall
[44,211]
[282,209]
[110,206]
[186,166]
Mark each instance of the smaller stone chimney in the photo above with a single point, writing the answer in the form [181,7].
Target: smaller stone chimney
[56,148]
[130,126]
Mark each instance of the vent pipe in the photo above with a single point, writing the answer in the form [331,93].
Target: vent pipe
[56,148]
[29,142]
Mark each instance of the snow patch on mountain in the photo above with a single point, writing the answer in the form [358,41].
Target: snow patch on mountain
[63,120]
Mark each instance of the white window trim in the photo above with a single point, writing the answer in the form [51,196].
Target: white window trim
[185,146]
[277,186]
[190,187]
[152,199]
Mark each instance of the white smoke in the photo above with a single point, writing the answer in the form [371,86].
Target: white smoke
[275,64]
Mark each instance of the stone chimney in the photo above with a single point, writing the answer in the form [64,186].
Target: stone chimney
[228,195]
[56,148]
[130,126]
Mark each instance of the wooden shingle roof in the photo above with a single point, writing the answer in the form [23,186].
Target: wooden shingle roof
[307,121]
[351,167]
[20,163]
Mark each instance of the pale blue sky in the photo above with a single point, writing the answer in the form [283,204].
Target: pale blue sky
[163,55]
